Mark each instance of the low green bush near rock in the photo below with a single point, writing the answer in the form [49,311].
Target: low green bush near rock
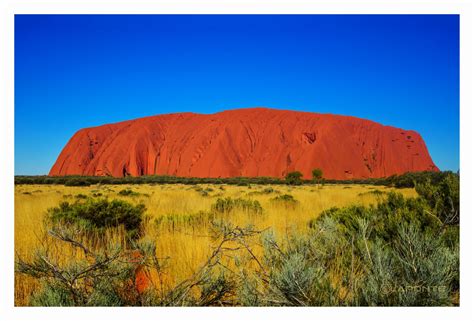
[286,199]
[71,182]
[99,214]
[227,205]
[127,192]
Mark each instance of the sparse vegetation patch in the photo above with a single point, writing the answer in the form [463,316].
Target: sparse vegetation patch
[96,215]
[227,205]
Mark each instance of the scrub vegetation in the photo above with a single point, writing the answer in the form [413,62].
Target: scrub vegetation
[233,244]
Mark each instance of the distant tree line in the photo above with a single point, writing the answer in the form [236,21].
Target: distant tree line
[292,178]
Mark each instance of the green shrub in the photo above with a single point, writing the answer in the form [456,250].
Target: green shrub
[295,274]
[127,192]
[295,280]
[294,178]
[76,182]
[264,191]
[405,255]
[443,198]
[317,174]
[99,214]
[385,217]
[375,192]
[415,266]
[411,179]
[95,278]
[286,200]
[227,205]
[203,191]
[52,294]
[268,190]
[415,269]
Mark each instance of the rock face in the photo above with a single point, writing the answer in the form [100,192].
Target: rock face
[244,142]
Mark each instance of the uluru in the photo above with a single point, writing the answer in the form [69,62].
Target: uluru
[246,142]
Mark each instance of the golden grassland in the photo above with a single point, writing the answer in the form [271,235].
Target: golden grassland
[176,222]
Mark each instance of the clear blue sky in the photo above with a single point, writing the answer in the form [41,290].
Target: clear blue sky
[81,71]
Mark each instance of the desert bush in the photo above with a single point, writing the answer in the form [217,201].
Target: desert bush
[264,191]
[128,192]
[205,191]
[296,276]
[297,282]
[103,276]
[294,178]
[405,256]
[99,214]
[317,175]
[327,267]
[395,253]
[286,200]
[385,217]
[107,276]
[443,197]
[51,294]
[415,269]
[411,179]
[76,182]
[375,192]
[268,190]
[227,205]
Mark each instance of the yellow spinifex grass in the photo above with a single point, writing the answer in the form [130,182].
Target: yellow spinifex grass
[177,223]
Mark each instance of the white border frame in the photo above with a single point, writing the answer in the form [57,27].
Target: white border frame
[9,7]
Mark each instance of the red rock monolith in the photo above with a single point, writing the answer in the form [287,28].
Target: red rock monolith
[244,142]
